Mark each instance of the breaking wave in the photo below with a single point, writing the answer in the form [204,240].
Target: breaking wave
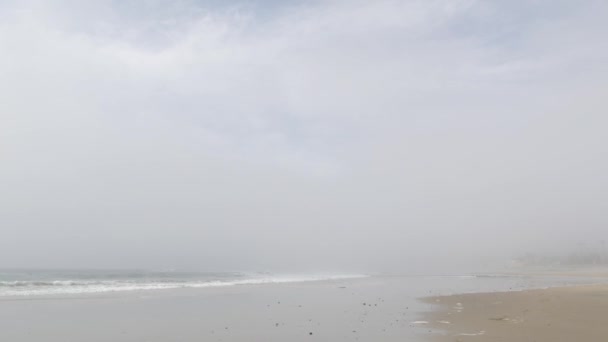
[82,286]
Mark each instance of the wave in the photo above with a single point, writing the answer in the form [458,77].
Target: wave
[65,287]
[30,283]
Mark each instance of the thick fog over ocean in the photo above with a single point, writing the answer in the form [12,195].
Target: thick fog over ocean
[309,136]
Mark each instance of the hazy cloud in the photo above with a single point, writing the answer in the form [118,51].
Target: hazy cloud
[336,134]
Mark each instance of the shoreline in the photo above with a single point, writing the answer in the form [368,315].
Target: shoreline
[555,314]
[377,308]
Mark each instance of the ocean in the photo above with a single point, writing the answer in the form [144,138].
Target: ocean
[66,282]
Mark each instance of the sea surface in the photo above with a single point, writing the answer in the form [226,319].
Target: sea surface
[26,283]
[64,282]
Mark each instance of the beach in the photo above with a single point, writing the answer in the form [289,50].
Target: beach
[561,314]
[371,308]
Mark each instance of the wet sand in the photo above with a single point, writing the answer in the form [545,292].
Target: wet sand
[373,309]
[566,314]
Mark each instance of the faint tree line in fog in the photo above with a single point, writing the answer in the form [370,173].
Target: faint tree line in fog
[584,255]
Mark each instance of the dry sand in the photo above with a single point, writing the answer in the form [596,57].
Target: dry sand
[565,314]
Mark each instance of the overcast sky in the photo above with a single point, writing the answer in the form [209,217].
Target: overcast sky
[350,135]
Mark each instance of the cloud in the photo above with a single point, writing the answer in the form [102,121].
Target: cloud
[295,134]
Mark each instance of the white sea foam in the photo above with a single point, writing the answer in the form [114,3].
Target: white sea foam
[64,287]
[472,334]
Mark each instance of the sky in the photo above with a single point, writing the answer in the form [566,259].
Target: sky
[296,135]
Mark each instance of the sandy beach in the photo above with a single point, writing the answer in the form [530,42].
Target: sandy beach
[547,315]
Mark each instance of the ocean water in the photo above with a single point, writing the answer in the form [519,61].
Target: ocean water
[26,283]
[65,282]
